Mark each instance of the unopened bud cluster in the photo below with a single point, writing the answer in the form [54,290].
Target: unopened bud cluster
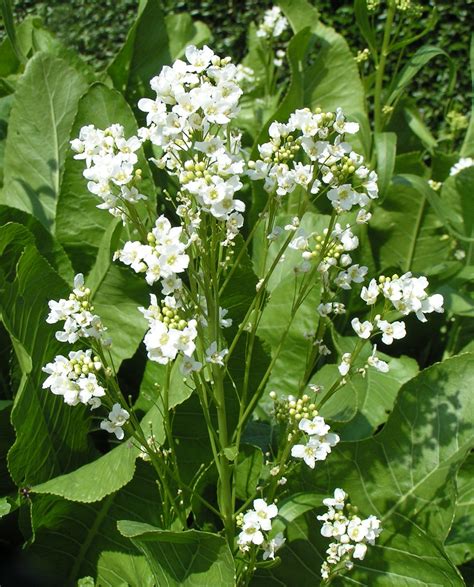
[291,410]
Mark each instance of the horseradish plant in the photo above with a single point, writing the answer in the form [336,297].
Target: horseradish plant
[190,258]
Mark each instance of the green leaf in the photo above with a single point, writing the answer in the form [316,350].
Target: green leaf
[364,403]
[300,14]
[409,468]
[40,122]
[73,539]
[112,471]
[9,24]
[456,195]
[183,31]
[422,56]
[116,301]
[188,558]
[80,225]
[144,53]
[249,468]
[5,507]
[5,107]
[405,475]
[460,542]
[406,231]
[440,204]
[39,417]
[47,246]
[333,80]
[417,125]
[96,480]
[362,19]
[386,150]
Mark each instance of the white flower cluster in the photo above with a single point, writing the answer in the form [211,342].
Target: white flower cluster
[116,420]
[319,442]
[195,101]
[406,293]
[352,533]
[110,160]
[75,378]
[320,135]
[76,312]
[161,259]
[273,24]
[256,524]
[463,163]
[169,334]
[390,330]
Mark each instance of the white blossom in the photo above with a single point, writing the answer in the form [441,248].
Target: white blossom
[116,420]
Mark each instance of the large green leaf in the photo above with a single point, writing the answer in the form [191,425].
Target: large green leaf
[116,301]
[300,14]
[189,558]
[73,539]
[406,232]
[456,195]
[333,79]
[47,246]
[422,56]
[5,107]
[364,403]
[39,127]
[405,476]
[460,542]
[183,31]
[144,53]
[39,417]
[288,371]
[112,471]
[80,225]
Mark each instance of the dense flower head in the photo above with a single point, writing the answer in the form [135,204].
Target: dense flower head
[76,378]
[110,166]
[406,293]
[162,258]
[169,333]
[352,534]
[333,167]
[77,314]
[195,101]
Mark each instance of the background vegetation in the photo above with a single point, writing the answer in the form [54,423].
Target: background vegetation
[97,30]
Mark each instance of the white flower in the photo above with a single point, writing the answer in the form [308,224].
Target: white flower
[362,329]
[264,513]
[215,356]
[345,365]
[391,331]
[315,426]
[337,501]
[250,534]
[116,420]
[377,363]
[370,294]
